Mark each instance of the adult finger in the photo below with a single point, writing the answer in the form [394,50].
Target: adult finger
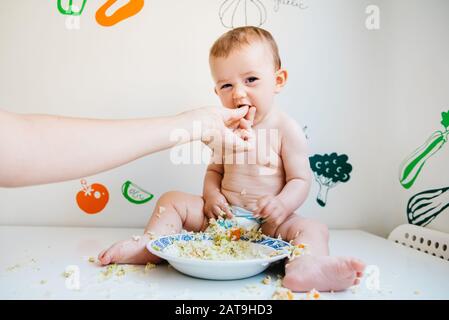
[245,124]
[231,116]
[251,115]
[233,142]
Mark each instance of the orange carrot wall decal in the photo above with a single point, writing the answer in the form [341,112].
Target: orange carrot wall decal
[124,12]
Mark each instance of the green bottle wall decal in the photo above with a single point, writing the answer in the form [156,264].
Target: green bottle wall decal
[329,170]
[425,206]
[412,166]
[69,10]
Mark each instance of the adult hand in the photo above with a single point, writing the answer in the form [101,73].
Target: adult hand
[223,127]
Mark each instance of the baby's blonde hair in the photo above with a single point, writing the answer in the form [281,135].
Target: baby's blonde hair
[239,37]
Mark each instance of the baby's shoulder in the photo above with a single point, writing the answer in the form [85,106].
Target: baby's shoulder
[287,124]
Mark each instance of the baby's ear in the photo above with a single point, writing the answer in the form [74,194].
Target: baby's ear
[281,79]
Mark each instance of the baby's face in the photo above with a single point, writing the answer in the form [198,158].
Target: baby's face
[247,77]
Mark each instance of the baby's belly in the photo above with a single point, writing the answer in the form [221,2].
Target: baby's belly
[244,190]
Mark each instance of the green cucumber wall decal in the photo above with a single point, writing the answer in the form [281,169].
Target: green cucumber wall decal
[412,166]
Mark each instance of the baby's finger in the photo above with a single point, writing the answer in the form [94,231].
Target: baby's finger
[267,211]
[208,213]
[261,203]
[227,210]
[217,211]
[275,218]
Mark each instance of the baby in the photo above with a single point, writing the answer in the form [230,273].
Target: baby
[269,182]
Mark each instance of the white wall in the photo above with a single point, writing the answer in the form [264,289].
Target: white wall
[374,95]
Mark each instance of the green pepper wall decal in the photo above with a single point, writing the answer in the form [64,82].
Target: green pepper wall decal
[411,167]
[329,170]
[425,206]
[69,10]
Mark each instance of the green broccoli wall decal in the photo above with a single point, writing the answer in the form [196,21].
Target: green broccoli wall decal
[329,170]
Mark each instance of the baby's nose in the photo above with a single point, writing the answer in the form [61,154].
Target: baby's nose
[239,92]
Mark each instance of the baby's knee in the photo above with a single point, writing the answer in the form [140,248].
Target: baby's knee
[320,228]
[170,197]
[315,227]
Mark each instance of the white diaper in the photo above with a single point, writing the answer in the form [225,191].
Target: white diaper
[245,218]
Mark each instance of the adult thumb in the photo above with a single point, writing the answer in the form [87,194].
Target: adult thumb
[232,115]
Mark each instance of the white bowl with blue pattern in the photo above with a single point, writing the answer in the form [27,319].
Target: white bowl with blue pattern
[218,269]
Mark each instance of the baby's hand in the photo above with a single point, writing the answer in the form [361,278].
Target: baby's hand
[216,206]
[271,210]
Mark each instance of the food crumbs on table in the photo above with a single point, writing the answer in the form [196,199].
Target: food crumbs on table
[120,272]
[266,280]
[67,274]
[109,270]
[151,234]
[14,267]
[91,259]
[136,238]
[313,294]
[283,294]
[149,266]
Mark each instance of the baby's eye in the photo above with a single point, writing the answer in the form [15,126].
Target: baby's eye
[227,85]
[251,79]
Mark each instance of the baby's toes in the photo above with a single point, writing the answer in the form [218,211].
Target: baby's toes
[106,256]
[358,266]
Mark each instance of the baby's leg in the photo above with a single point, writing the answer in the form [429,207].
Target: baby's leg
[316,270]
[173,212]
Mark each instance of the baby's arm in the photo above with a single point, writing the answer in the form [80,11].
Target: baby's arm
[215,202]
[294,155]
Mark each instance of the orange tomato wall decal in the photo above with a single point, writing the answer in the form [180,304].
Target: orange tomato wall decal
[122,13]
[92,199]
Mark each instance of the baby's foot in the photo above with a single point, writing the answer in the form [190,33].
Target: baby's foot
[323,273]
[132,251]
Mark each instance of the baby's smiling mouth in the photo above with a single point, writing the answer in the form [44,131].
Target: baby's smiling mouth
[243,105]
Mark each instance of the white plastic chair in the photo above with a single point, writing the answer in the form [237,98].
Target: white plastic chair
[422,239]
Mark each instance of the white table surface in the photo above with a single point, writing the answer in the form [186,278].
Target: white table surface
[33,260]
